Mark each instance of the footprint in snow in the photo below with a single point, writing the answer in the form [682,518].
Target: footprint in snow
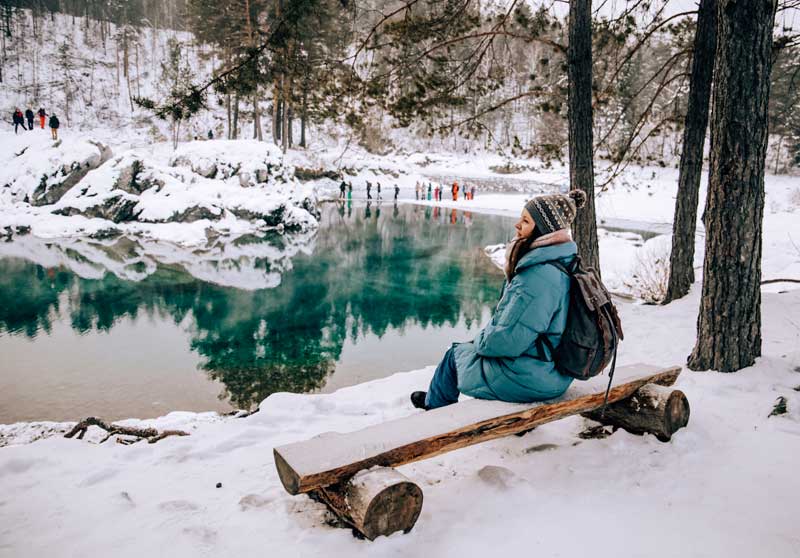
[178,506]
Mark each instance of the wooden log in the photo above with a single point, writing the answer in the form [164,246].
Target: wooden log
[654,409]
[376,502]
[332,457]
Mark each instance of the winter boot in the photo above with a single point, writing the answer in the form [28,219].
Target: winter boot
[418,399]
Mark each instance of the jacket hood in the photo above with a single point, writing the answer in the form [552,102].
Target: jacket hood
[548,254]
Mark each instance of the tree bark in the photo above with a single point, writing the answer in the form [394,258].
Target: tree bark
[236,116]
[729,323]
[581,164]
[303,116]
[681,270]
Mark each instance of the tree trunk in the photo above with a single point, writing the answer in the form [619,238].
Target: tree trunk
[729,323]
[256,119]
[291,124]
[303,116]
[681,270]
[236,116]
[287,106]
[280,120]
[228,112]
[581,164]
[276,130]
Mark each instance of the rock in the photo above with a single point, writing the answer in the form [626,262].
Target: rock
[208,169]
[272,218]
[105,234]
[133,181]
[262,176]
[117,208]
[304,174]
[780,407]
[496,476]
[195,213]
[53,187]
[244,180]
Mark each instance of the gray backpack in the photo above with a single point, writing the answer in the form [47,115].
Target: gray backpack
[593,330]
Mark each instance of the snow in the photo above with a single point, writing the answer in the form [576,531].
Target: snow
[721,487]
[248,189]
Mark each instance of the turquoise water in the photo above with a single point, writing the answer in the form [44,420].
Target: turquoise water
[378,290]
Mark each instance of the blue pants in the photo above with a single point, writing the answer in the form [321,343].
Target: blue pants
[444,384]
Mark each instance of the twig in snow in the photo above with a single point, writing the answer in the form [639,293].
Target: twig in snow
[150,434]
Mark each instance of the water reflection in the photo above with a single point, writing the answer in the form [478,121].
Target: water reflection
[271,313]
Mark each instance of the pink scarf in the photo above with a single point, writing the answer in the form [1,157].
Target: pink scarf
[556,237]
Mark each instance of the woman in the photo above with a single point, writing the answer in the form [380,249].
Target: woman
[508,360]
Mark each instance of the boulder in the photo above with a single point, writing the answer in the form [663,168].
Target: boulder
[118,208]
[52,187]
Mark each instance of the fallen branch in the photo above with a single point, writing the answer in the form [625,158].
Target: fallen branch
[768,281]
[150,434]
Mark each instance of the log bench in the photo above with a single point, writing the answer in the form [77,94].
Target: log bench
[352,473]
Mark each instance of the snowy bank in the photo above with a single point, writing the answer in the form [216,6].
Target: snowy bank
[203,188]
[719,487]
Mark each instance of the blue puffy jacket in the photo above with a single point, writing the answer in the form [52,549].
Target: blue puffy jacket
[505,361]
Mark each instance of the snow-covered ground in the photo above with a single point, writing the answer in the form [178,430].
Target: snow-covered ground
[724,486]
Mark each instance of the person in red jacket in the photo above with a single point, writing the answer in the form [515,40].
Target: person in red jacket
[455,191]
[42,115]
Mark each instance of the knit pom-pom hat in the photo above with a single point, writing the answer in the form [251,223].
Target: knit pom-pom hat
[552,212]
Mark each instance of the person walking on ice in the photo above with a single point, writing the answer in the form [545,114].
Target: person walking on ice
[509,359]
[369,189]
[29,118]
[378,189]
[455,191]
[342,188]
[42,114]
[54,124]
[396,191]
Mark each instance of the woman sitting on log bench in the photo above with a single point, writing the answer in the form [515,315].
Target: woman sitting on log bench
[508,360]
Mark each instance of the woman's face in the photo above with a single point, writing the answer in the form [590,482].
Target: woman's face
[525,225]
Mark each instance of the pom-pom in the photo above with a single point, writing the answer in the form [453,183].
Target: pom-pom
[579,197]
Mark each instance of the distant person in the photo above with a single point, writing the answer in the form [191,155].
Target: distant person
[349,191]
[416,190]
[441,191]
[342,188]
[54,124]
[42,114]
[369,190]
[18,119]
[396,191]
[379,189]
[429,191]
[29,118]
[472,193]
[211,134]
[436,192]
[455,191]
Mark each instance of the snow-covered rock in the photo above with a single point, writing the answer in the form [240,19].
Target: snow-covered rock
[37,170]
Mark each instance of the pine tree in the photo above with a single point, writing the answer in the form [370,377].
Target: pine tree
[729,322]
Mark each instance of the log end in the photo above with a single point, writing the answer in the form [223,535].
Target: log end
[289,478]
[676,414]
[395,508]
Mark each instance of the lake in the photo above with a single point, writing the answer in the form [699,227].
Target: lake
[126,327]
